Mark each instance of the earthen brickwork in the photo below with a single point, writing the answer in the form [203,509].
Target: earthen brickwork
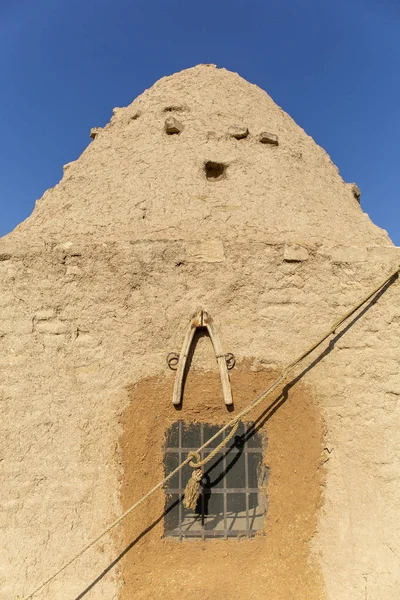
[98,286]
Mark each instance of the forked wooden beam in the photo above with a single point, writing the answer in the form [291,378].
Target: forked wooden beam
[202,319]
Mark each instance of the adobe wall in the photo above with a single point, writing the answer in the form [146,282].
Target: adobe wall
[136,182]
[84,334]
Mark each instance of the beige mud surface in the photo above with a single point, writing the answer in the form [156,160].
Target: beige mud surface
[276,564]
[98,285]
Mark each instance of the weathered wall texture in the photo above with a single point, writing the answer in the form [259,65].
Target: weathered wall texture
[97,286]
[277,564]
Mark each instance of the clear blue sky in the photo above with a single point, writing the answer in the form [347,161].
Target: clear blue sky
[334,66]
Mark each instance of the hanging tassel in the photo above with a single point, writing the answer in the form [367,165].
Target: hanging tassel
[192,491]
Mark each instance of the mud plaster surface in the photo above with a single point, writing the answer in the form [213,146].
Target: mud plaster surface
[276,564]
[97,286]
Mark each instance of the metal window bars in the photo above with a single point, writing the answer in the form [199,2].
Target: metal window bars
[232,502]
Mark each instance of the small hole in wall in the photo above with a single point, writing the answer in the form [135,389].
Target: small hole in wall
[214,171]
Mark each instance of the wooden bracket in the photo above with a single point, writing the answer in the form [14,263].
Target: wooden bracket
[202,319]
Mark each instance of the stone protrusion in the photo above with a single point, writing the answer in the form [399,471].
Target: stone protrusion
[268,138]
[295,253]
[209,251]
[52,327]
[176,108]
[66,245]
[45,314]
[73,270]
[94,132]
[86,340]
[349,254]
[173,126]
[239,132]
[356,191]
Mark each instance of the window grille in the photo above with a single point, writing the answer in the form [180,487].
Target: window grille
[232,502]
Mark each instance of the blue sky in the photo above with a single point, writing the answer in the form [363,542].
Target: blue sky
[334,66]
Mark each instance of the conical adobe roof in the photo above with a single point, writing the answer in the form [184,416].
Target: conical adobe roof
[136,181]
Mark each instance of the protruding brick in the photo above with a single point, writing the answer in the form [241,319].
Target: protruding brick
[172,126]
[268,138]
[73,270]
[66,245]
[86,340]
[239,132]
[45,314]
[94,132]
[52,327]
[209,251]
[295,253]
[356,191]
[349,254]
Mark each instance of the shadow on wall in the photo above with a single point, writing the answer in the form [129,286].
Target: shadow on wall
[256,426]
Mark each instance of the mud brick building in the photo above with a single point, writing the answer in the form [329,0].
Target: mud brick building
[202,193]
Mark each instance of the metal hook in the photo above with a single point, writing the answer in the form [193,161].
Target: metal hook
[173,360]
[230,360]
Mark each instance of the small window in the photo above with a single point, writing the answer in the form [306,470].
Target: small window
[232,502]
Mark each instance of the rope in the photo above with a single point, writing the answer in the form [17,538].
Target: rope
[192,490]
[284,374]
[196,455]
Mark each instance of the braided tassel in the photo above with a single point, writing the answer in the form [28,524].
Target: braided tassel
[192,491]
